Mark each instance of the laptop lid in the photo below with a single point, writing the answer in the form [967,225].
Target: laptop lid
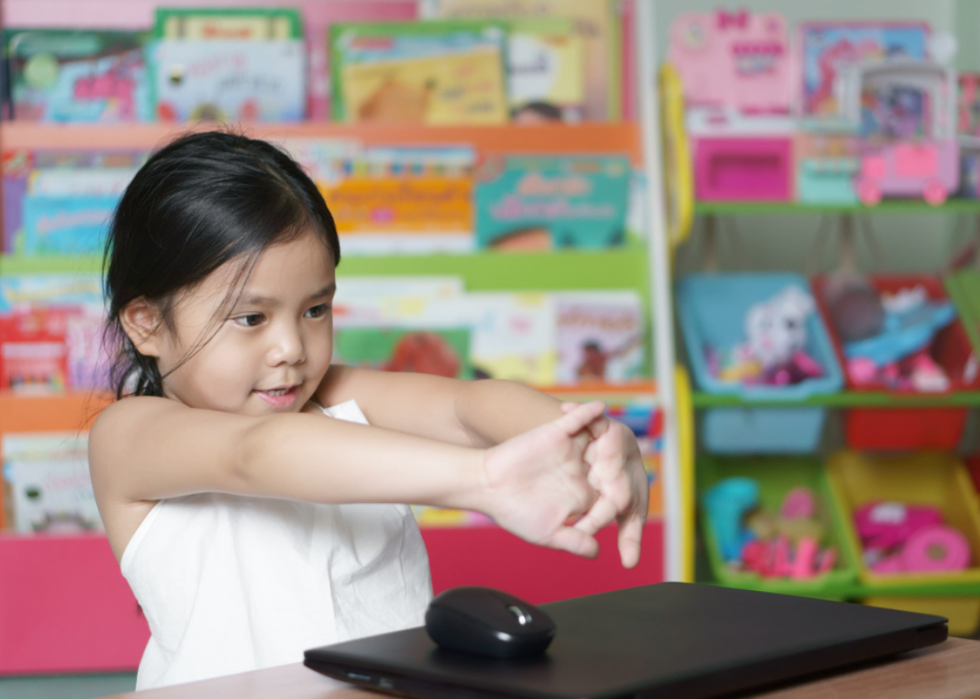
[667,639]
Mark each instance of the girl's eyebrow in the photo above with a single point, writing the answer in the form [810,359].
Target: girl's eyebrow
[259,299]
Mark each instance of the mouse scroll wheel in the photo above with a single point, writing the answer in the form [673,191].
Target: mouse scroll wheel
[523,618]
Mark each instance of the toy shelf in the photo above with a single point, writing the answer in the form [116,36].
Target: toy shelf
[894,206]
[594,137]
[844,399]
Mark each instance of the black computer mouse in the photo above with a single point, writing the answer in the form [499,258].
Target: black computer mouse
[488,622]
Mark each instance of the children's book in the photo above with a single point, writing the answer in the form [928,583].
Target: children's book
[404,200]
[33,352]
[229,80]
[47,483]
[231,23]
[77,75]
[29,291]
[545,71]
[380,301]
[595,23]
[600,336]
[547,202]
[438,351]
[825,46]
[65,225]
[437,73]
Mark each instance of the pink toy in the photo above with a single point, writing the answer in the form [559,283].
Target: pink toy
[907,110]
[884,525]
[799,502]
[736,59]
[936,548]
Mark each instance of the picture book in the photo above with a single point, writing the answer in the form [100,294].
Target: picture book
[824,46]
[436,73]
[27,291]
[380,301]
[545,71]
[21,169]
[231,23]
[594,22]
[64,225]
[968,105]
[229,80]
[546,202]
[33,352]
[600,337]
[47,483]
[77,76]
[438,351]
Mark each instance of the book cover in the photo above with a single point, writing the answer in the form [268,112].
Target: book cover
[438,351]
[824,46]
[65,225]
[423,73]
[228,23]
[545,72]
[380,301]
[25,291]
[33,351]
[593,22]
[47,483]
[77,76]
[548,202]
[600,336]
[229,80]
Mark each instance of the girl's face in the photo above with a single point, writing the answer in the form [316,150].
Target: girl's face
[268,352]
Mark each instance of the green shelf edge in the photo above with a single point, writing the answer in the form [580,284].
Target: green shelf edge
[847,399]
[897,206]
[859,590]
[623,267]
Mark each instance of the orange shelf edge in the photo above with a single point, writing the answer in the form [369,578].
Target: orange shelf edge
[594,137]
[69,411]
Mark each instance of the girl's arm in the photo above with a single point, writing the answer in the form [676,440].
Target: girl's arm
[489,412]
[145,449]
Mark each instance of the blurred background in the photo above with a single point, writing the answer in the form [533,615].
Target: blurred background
[752,229]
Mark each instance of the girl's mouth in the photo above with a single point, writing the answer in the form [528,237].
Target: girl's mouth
[279,397]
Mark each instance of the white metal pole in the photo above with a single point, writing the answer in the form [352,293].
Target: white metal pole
[644,39]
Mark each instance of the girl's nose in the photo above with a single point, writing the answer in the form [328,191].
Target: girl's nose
[287,348]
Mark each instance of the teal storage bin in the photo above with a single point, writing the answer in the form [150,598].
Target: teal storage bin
[776,476]
[712,311]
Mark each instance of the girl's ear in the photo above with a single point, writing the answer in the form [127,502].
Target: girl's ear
[141,320]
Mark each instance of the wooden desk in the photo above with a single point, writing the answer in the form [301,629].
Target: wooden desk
[951,669]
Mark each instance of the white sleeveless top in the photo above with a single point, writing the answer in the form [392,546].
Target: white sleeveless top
[231,583]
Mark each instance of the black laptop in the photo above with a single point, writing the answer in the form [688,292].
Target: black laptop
[663,640]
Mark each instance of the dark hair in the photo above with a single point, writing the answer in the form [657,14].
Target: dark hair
[201,201]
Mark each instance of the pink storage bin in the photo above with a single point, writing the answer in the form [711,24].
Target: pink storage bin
[743,169]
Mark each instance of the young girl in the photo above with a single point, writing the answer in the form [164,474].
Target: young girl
[252,526]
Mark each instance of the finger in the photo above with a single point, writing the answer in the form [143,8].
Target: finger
[630,536]
[574,541]
[568,406]
[572,422]
[594,428]
[602,512]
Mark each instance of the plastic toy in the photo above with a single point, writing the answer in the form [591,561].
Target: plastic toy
[737,59]
[774,351]
[901,538]
[906,110]
[884,525]
[727,502]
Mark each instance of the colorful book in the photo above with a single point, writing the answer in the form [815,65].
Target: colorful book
[825,46]
[594,23]
[229,80]
[232,23]
[435,73]
[381,301]
[77,76]
[545,71]
[47,482]
[547,202]
[65,225]
[438,351]
[601,337]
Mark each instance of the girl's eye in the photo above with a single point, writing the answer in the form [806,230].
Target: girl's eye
[249,321]
[318,311]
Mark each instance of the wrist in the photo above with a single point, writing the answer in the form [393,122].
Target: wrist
[472,490]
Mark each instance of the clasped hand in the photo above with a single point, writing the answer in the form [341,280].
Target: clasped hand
[559,484]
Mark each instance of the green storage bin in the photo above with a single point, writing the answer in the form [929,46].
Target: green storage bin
[963,288]
[777,475]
